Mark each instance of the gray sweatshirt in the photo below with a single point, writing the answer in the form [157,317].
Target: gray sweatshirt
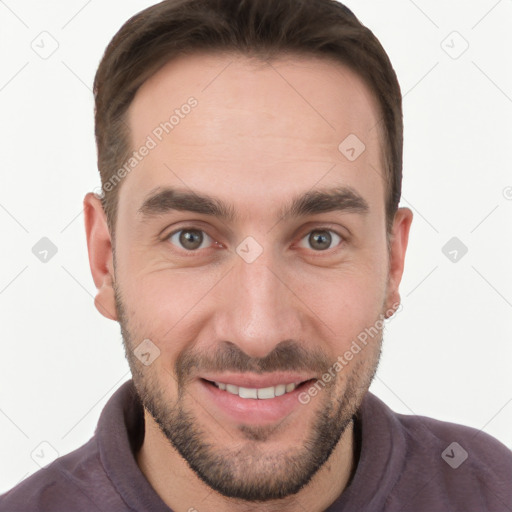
[406,463]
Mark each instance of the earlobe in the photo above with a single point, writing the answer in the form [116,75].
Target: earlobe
[100,255]
[398,246]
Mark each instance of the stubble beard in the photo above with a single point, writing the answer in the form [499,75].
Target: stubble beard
[247,473]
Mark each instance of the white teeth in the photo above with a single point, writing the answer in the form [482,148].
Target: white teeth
[280,389]
[264,393]
[247,392]
[261,393]
[231,388]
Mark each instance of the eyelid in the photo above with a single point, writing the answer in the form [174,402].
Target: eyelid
[325,228]
[167,238]
[192,227]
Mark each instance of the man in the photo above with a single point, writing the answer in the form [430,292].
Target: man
[249,242]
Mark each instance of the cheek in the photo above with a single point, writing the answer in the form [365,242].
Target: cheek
[166,306]
[348,302]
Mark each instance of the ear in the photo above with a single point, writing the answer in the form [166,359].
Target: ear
[100,255]
[398,246]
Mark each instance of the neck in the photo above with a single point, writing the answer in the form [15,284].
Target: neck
[181,489]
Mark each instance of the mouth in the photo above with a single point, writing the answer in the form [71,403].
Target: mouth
[262,393]
[253,400]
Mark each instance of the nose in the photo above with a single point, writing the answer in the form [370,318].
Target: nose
[258,308]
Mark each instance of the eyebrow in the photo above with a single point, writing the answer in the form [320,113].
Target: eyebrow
[163,200]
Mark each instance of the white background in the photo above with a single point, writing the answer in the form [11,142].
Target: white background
[447,354]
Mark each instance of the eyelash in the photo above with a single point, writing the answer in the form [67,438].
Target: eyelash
[342,239]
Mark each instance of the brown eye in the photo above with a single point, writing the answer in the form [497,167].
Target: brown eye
[189,239]
[321,239]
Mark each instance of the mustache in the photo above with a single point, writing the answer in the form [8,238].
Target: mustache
[288,355]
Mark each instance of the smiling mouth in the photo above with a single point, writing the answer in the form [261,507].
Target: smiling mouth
[259,393]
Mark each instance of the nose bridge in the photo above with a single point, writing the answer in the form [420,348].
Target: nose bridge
[261,311]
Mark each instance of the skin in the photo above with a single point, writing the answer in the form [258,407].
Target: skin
[255,143]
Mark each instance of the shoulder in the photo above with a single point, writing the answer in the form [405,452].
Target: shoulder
[460,445]
[71,482]
[454,463]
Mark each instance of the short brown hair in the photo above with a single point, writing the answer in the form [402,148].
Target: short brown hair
[257,28]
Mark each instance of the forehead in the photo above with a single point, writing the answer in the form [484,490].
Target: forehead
[256,129]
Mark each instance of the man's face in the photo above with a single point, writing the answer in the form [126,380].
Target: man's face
[267,296]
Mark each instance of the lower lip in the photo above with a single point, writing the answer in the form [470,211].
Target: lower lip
[252,410]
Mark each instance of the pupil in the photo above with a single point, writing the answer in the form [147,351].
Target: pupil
[320,240]
[191,239]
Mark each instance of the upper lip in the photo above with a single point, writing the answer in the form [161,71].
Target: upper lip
[253,380]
